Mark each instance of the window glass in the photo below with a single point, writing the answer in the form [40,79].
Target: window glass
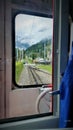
[33,50]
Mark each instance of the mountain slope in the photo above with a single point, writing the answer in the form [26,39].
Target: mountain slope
[39,49]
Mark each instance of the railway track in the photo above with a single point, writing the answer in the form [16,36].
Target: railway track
[37,76]
[34,76]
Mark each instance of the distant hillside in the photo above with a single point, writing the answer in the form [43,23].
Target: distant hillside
[38,50]
[22,45]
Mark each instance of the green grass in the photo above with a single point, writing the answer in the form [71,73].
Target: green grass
[48,68]
[18,70]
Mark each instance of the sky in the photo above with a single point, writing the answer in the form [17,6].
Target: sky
[32,29]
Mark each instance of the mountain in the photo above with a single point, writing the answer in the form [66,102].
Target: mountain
[38,49]
[22,45]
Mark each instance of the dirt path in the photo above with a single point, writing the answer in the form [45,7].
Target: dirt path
[24,77]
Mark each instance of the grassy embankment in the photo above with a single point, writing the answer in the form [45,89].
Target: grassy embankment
[18,69]
[47,68]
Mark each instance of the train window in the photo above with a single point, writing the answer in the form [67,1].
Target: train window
[33,50]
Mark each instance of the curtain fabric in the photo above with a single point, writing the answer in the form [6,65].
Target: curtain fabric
[66,96]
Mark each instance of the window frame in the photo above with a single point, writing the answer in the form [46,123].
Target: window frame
[16,12]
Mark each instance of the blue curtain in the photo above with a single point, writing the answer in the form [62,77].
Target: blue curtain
[66,96]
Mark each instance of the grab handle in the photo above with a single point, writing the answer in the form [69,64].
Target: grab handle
[56,92]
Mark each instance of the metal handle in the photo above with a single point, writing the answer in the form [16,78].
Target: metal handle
[56,92]
[46,88]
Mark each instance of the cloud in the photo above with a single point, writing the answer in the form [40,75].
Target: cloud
[32,29]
